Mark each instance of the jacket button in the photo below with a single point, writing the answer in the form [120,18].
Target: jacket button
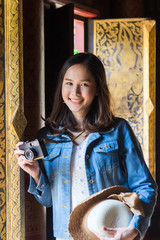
[91,181]
[87,156]
[42,186]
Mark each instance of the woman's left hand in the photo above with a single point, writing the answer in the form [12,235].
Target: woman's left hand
[127,233]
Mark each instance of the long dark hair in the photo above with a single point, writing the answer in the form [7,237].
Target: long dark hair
[100,116]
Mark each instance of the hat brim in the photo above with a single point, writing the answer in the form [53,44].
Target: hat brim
[77,223]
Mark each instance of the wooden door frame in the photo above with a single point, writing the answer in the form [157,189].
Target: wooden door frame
[13,120]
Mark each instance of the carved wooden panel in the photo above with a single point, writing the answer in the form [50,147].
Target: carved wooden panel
[127,50]
[2,132]
[12,121]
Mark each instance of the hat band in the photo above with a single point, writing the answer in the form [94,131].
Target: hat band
[131,199]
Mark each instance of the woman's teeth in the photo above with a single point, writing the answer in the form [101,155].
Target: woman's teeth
[76,101]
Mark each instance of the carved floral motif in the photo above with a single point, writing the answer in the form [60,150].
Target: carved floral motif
[127,49]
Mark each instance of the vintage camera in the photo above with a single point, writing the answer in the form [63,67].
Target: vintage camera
[34,150]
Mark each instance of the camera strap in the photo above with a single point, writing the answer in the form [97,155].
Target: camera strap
[56,141]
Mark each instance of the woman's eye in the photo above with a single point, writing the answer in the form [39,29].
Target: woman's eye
[68,83]
[84,84]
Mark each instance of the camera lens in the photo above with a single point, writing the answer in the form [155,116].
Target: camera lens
[29,154]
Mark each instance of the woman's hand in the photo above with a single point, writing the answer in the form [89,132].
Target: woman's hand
[127,233]
[30,167]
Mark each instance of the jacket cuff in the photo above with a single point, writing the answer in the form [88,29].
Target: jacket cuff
[37,189]
[141,224]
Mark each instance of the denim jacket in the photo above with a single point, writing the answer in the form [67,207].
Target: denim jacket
[112,158]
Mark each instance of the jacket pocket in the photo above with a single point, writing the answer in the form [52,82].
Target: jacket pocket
[106,155]
[51,162]
[52,154]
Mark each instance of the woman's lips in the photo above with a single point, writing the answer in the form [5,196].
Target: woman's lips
[75,100]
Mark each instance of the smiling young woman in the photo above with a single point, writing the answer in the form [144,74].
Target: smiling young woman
[89,69]
[89,149]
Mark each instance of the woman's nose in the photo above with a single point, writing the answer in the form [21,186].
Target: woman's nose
[76,90]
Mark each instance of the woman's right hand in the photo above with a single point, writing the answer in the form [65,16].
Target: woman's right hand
[30,167]
[125,233]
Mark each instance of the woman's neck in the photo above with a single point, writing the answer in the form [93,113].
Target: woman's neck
[79,119]
[78,137]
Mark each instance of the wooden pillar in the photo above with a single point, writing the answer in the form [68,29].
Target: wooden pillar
[33,39]
[12,120]
[2,131]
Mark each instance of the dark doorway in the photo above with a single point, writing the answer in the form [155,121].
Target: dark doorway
[58,29]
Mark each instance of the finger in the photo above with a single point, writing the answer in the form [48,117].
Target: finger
[24,165]
[31,162]
[103,238]
[109,230]
[19,152]
[18,144]
[22,158]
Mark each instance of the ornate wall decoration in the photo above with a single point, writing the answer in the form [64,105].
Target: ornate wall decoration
[2,130]
[15,121]
[127,50]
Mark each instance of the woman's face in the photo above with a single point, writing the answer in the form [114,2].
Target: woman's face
[78,90]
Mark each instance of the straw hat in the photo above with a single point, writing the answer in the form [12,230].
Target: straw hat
[111,207]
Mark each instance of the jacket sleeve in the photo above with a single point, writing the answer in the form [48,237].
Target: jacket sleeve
[41,191]
[138,177]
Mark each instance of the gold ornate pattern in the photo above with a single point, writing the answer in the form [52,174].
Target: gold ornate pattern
[127,56]
[19,118]
[152,63]
[2,131]
[15,120]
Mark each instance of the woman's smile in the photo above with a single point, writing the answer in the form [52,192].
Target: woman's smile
[75,100]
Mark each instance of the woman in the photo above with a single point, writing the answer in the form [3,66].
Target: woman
[89,150]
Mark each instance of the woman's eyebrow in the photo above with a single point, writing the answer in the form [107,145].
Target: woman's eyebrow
[85,80]
[68,79]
